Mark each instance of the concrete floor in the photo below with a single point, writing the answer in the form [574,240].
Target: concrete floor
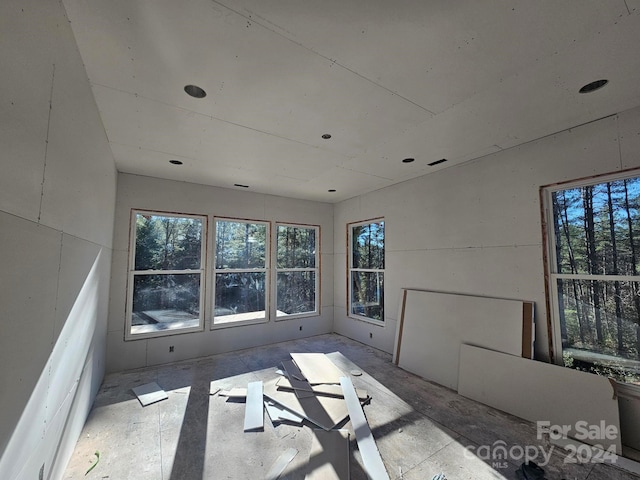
[421,429]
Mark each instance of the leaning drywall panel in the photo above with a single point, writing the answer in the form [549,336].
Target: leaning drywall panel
[540,392]
[436,324]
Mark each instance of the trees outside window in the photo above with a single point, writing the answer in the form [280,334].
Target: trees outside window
[366,270]
[594,232]
[166,268]
[240,271]
[296,270]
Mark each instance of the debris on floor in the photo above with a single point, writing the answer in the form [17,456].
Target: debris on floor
[149,393]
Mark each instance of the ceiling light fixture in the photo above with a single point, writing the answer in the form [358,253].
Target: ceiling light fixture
[175,162]
[326,136]
[442,160]
[593,86]
[195,91]
[408,160]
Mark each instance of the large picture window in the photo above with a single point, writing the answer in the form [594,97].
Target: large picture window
[366,270]
[594,252]
[296,270]
[166,268]
[240,271]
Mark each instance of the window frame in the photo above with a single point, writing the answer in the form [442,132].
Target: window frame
[550,259]
[277,270]
[351,270]
[215,270]
[132,273]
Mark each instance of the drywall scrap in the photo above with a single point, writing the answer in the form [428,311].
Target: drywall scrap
[278,414]
[328,456]
[149,393]
[542,392]
[366,444]
[317,368]
[281,463]
[433,325]
[330,390]
[253,414]
[311,387]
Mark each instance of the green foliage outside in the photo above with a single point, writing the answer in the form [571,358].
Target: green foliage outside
[597,231]
[367,285]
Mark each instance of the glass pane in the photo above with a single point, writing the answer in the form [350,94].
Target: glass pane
[167,243]
[296,293]
[240,244]
[239,296]
[368,246]
[599,323]
[296,247]
[367,294]
[597,228]
[165,302]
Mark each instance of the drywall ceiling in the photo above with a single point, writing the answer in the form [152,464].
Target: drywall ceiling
[387,80]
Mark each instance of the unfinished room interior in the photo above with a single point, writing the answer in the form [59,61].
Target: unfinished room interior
[262,239]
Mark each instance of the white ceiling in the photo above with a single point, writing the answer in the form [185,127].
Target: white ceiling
[388,79]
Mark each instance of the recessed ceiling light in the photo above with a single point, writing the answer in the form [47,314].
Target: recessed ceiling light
[331,190]
[593,86]
[408,160]
[326,136]
[175,162]
[195,91]
[442,160]
[240,185]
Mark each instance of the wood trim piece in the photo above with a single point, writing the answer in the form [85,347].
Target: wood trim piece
[528,330]
[366,443]
[400,328]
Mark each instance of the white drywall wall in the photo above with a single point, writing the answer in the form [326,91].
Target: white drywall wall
[138,192]
[476,228]
[57,202]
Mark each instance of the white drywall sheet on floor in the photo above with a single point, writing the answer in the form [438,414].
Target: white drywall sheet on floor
[317,368]
[329,456]
[254,413]
[149,393]
[433,325]
[538,391]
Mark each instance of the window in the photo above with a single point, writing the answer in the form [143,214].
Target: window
[240,271]
[296,270]
[594,284]
[366,270]
[166,267]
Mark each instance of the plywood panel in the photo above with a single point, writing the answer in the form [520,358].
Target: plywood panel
[435,324]
[538,391]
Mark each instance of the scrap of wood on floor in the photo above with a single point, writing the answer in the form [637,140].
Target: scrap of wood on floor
[311,387]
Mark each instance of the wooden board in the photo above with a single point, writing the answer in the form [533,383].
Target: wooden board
[329,456]
[434,325]
[538,391]
[317,368]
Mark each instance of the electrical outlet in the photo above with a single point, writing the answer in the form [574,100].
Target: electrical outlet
[170,348]
[370,335]
[300,327]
